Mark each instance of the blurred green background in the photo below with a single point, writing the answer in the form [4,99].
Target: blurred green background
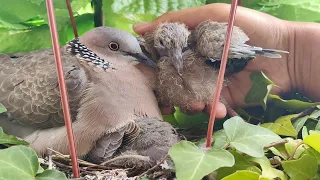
[24,24]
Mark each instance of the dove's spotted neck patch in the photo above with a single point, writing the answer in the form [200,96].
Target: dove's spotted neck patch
[81,51]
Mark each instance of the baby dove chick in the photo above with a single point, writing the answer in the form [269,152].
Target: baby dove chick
[105,89]
[154,140]
[183,76]
[208,38]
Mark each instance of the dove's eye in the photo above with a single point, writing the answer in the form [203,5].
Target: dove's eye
[114,46]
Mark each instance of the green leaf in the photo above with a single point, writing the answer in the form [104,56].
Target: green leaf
[300,122]
[51,175]
[220,140]
[282,126]
[39,37]
[123,14]
[290,105]
[297,10]
[192,163]
[18,162]
[304,132]
[267,170]
[248,138]
[313,141]
[2,109]
[260,89]
[315,154]
[9,139]
[185,121]
[241,163]
[303,168]
[294,146]
[243,174]
[280,150]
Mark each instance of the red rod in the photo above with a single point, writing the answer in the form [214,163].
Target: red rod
[73,22]
[62,88]
[221,72]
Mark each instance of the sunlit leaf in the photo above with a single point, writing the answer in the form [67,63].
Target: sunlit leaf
[243,174]
[282,126]
[313,141]
[192,163]
[248,138]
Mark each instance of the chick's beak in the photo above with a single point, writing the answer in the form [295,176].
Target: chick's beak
[177,61]
[142,58]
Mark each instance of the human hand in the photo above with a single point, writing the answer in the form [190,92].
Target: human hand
[264,31]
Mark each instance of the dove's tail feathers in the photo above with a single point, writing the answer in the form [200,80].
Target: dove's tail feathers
[270,53]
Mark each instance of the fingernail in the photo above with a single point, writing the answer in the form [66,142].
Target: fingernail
[139,27]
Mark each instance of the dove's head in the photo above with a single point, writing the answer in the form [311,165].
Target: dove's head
[170,39]
[114,43]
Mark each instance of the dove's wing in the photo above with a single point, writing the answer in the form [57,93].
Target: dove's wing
[29,87]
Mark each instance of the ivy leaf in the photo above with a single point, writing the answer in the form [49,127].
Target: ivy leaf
[248,138]
[192,163]
[220,139]
[2,109]
[304,132]
[241,163]
[51,175]
[294,146]
[313,153]
[300,122]
[21,162]
[313,141]
[260,89]
[243,174]
[280,150]
[9,139]
[303,168]
[292,104]
[267,170]
[282,126]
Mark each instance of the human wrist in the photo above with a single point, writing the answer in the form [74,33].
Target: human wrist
[303,60]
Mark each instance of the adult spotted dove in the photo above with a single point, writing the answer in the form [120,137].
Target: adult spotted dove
[106,91]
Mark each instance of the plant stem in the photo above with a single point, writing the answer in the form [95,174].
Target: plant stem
[98,13]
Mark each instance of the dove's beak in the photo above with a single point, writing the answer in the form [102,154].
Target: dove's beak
[177,61]
[142,58]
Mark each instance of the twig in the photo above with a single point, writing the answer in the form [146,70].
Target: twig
[154,167]
[69,167]
[275,144]
[123,157]
[304,113]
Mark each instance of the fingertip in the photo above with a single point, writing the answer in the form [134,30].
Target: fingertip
[221,110]
[143,27]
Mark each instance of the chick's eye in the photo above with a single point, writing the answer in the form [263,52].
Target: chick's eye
[114,46]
